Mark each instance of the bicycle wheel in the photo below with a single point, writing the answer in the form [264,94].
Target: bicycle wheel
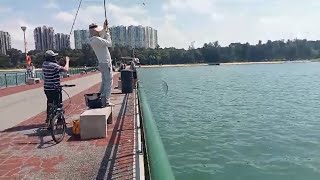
[58,127]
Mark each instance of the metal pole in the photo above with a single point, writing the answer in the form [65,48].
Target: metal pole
[16,79]
[25,43]
[24,28]
[5,79]
[133,53]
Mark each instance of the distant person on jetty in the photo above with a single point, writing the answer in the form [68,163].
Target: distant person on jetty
[121,67]
[133,67]
[28,71]
[51,72]
[100,40]
[33,70]
[85,69]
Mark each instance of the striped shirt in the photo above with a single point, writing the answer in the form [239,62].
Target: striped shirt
[51,75]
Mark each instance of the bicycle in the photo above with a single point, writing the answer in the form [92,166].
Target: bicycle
[56,119]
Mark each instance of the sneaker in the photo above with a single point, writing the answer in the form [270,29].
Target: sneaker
[110,104]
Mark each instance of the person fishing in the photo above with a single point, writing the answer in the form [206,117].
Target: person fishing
[133,67]
[100,40]
[51,72]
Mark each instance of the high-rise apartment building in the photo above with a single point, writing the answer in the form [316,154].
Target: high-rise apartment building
[139,37]
[119,36]
[155,32]
[134,36]
[131,42]
[149,37]
[62,41]
[44,38]
[5,42]
[81,37]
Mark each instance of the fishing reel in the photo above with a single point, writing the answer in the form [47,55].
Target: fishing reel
[62,61]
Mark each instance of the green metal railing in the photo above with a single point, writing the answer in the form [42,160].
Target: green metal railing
[158,162]
[19,78]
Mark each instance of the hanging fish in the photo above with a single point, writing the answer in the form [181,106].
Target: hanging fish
[165,87]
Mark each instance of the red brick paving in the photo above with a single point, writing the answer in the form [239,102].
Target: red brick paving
[16,89]
[23,155]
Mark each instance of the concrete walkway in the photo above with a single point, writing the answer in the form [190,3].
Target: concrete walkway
[18,107]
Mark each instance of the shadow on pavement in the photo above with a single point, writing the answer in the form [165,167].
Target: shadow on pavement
[44,136]
[24,127]
[107,162]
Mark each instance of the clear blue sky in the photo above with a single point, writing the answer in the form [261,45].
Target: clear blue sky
[179,22]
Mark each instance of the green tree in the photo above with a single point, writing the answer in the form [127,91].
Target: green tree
[5,61]
[15,56]
[88,56]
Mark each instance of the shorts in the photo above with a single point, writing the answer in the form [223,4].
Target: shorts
[135,75]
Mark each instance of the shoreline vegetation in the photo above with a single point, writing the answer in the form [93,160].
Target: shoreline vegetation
[231,63]
[279,51]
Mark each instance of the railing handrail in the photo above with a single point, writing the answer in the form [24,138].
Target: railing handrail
[158,161]
[11,78]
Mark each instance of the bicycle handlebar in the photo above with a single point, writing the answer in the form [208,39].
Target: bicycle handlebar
[66,85]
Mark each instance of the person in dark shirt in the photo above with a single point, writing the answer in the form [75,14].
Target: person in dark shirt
[51,75]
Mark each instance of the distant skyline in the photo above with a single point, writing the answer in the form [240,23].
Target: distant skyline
[179,22]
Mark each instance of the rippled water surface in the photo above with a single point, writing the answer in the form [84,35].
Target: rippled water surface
[239,121]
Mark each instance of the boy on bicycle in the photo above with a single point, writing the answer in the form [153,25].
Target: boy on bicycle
[51,76]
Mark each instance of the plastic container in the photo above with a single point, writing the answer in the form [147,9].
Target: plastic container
[94,101]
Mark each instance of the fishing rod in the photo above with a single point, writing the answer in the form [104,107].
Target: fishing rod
[75,17]
[105,9]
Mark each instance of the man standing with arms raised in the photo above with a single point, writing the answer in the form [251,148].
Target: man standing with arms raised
[100,40]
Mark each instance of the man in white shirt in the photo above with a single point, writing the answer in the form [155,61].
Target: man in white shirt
[100,40]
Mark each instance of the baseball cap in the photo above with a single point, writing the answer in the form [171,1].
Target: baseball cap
[95,27]
[50,53]
[136,60]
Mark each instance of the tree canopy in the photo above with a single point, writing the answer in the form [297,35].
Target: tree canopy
[210,53]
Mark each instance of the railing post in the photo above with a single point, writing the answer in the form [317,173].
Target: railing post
[16,79]
[5,80]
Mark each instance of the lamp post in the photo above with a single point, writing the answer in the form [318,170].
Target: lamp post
[24,28]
